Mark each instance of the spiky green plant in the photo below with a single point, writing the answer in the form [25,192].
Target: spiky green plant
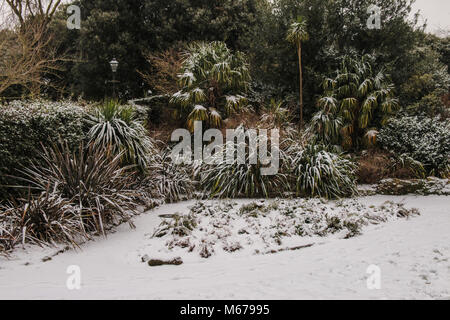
[46,219]
[91,179]
[318,172]
[114,126]
[356,102]
[230,180]
[213,83]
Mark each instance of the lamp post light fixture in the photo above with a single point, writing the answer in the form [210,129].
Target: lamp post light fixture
[114,66]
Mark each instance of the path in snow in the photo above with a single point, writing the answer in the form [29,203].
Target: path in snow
[414,257]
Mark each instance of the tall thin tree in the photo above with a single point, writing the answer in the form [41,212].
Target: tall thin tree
[296,34]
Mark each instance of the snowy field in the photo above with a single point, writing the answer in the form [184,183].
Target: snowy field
[412,254]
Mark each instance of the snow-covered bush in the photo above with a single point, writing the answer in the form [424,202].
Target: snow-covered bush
[24,126]
[44,220]
[213,82]
[167,180]
[90,179]
[115,126]
[318,172]
[223,179]
[424,139]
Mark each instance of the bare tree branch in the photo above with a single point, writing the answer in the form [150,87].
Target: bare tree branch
[28,58]
[24,9]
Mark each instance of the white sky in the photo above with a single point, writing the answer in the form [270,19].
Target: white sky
[437,12]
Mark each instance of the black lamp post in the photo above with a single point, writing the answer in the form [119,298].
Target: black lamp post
[114,66]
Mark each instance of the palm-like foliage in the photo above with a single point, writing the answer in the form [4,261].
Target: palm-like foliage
[356,101]
[212,83]
[230,180]
[115,127]
[296,35]
[317,172]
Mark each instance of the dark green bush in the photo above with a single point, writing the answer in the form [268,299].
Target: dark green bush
[24,126]
[430,105]
[423,139]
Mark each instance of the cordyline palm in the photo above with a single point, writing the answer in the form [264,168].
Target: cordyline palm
[212,83]
[296,34]
[353,101]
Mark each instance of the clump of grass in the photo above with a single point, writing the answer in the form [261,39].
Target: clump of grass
[168,180]
[225,179]
[316,171]
[79,193]
[46,219]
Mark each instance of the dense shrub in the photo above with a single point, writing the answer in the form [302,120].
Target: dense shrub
[24,126]
[431,105]
[167,180]
[317,172]
[428,186]
[424,139]
[230,180]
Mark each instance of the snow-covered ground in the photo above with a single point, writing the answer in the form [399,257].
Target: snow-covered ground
[412,254]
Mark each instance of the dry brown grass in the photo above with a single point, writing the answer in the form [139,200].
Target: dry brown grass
[376,165]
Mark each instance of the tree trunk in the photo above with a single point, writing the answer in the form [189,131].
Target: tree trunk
[301,83]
